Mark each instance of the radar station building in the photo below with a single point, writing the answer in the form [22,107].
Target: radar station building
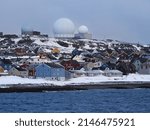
[83,33]
[1,34]
[64,28]
[26,31]
[30,32]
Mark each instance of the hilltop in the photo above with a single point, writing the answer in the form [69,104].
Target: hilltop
[29,46]
[88,54]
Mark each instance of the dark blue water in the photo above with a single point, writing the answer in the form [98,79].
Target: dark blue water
[97,101]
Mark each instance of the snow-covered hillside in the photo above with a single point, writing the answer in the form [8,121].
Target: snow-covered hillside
[34,44]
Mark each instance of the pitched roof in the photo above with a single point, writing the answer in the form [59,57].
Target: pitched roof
[72,61]
[6,61]
[54,65]
[20,69]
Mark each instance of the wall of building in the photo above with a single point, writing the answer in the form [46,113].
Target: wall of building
[83,36]
[145,68]
[44,71]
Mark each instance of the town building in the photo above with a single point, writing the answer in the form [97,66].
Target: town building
[1,69]
[70,64]
[1,34]
[6,64]
[112,73]
[50,71]
[145,68]
[18,71]
[137,64]
[83,33]
[36,33]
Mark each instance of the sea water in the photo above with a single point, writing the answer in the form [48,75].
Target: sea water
[91,101]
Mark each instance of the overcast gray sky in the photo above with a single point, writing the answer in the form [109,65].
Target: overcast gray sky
[126,20]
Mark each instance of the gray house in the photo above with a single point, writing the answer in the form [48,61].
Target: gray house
[137,64]
[17,71]
[145,68]
[77,73]
[94,73]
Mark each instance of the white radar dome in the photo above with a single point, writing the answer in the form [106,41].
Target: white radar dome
[83,29]
[64,27]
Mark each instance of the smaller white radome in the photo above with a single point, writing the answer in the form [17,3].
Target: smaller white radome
[83,29]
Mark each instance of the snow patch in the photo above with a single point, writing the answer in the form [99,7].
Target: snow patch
[8,80]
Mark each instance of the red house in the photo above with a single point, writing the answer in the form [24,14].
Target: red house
[70,64]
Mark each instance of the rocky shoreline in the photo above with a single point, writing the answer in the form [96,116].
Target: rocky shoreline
[71,87]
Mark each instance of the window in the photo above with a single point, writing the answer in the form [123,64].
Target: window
[141,66]
[146,66]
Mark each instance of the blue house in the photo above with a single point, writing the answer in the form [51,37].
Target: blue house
[104,67]
[50,71]
[5,64]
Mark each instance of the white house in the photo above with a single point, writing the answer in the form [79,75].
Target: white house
[94,73]
[113,73]
[145,68]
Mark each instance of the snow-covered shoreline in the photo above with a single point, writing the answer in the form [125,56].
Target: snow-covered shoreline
[132,78]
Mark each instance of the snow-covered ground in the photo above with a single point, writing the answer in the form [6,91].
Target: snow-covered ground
[52,43]
[7,80]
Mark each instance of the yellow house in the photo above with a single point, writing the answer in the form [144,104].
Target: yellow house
[1,69]
[55,51]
